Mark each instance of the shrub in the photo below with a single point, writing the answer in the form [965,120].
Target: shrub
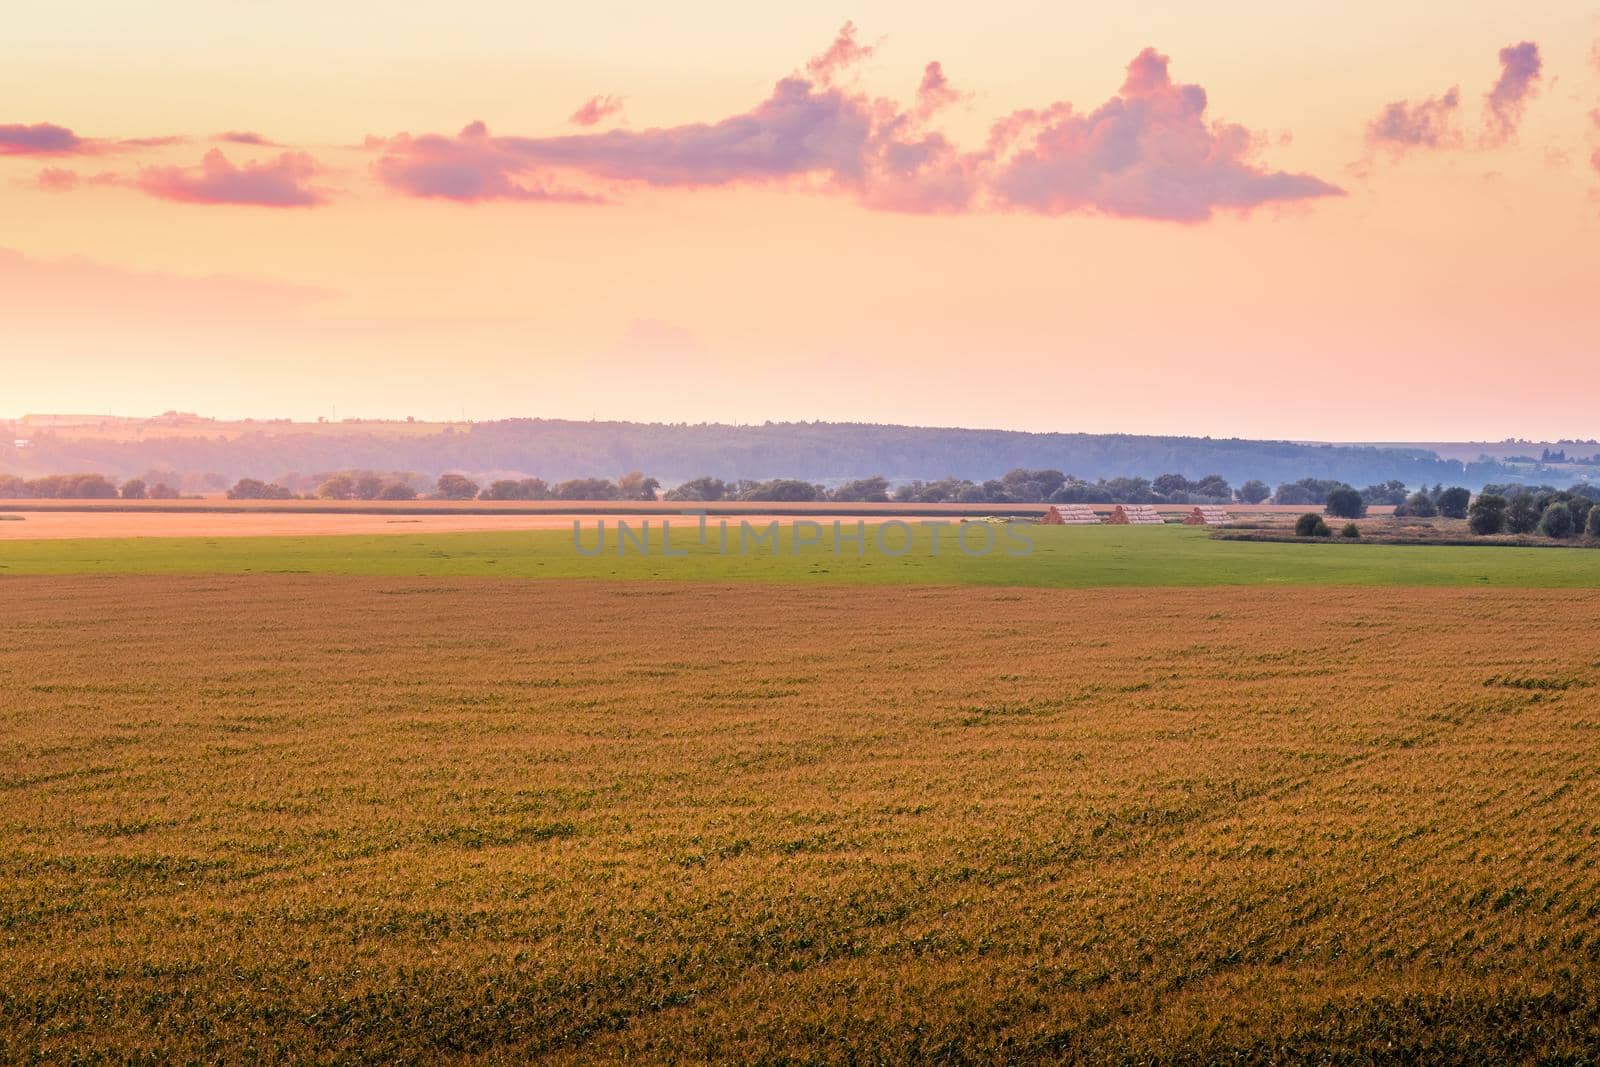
[1558,521]
[1487,515]
[1311,525]
[1351,530]
[1346,503]
[1453,502]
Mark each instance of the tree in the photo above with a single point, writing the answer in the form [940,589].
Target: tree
[1213,485]
[1391,492]
[1127,491]
[1453,502]
[397,491]
[635,486]
[1419,504]
[1311,525]
[1346,503]
[162,491]
[523,489]
[1170,485]
[784,490]
[702,488]
[1351,531]
[368,486]
[133,489]
[1487,516]
[1592,527]
[1522,514]
[1558,522]
[247,489]
[586,489]
[253,489]
[1290,493]
[337,487]
[1254,491]
[1027,486]
[455,487]
[874,490]
[503,489]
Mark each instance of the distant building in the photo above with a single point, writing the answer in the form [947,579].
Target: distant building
[22,442]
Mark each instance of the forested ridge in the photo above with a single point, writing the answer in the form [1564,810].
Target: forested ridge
[814,451]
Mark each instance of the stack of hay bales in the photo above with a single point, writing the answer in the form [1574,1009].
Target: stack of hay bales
[1207,515]
[1135,515]
[1070,515]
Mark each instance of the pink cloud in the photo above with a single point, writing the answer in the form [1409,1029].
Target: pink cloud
[795,131]
[1594,117]
[1148,152]
[1520,67]
[1429,124]
[40,139]
[58,179]
[803,130]
[246,137]
[282,182]
[595,110]
[470,166]
[844,52]
[935,93]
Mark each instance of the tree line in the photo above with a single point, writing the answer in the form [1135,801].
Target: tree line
[1500,508]
[814,452]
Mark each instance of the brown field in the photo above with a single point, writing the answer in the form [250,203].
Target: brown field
[378,819]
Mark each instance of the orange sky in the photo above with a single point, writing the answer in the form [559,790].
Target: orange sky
[835,247]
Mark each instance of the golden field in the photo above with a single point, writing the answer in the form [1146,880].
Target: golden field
[364,819]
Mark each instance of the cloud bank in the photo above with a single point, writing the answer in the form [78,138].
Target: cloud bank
[1149,152]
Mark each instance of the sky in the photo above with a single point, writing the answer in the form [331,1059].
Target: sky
[1363,221]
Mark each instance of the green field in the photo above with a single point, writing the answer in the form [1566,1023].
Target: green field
[1065,557]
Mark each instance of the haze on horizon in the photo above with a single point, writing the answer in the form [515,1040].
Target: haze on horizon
[1376,223]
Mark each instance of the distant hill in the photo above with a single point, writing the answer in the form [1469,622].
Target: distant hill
[815,451]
